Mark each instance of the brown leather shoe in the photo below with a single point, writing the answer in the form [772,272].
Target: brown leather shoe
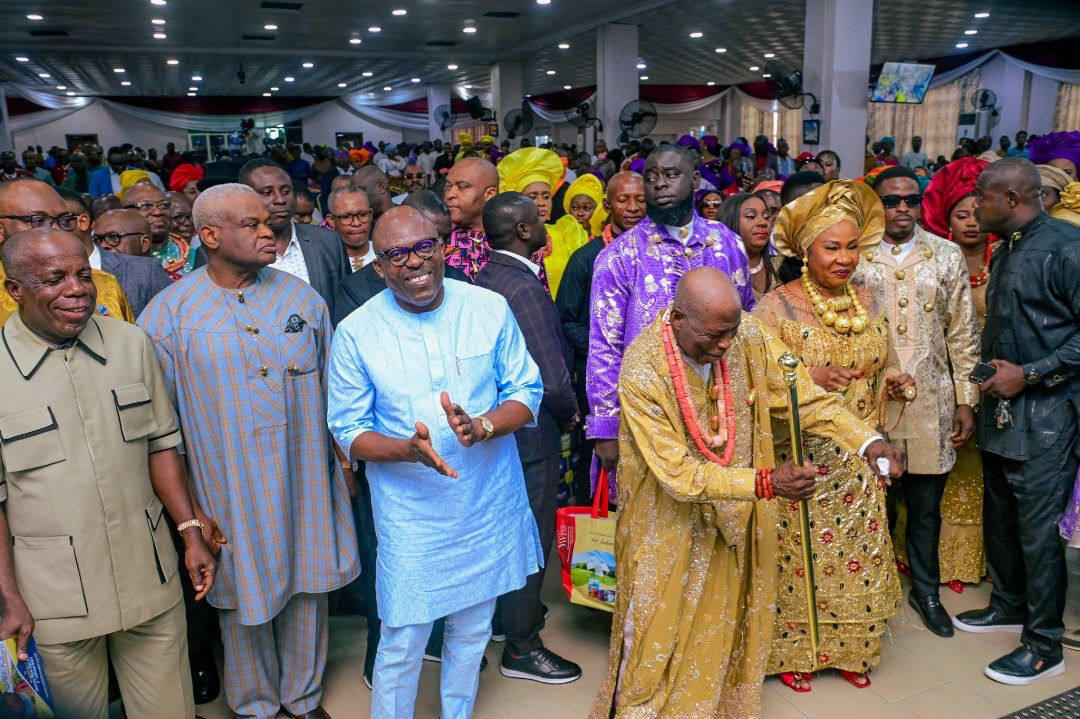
[316,713]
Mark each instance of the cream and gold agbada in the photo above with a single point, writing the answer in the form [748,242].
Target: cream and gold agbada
[695,550]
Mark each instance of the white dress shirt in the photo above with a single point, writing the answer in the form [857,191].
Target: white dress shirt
[293,259]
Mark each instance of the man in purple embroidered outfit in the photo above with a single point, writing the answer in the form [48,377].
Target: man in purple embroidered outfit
[635,278]
[469,185]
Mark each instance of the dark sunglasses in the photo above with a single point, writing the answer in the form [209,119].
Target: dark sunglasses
[415,177]
[891,202]
[113,239]
[711,203]
[398,256]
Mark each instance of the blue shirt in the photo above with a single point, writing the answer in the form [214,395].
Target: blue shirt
[444,544]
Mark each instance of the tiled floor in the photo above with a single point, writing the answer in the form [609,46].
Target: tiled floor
[920,674]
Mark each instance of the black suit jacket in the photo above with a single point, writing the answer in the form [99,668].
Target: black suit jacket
[360,286]
[538,319]
[140,277]
[324,256]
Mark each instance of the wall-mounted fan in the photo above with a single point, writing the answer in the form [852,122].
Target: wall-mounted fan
[637,118]
[786,84]
[582,116]
[443,117]
[518,122]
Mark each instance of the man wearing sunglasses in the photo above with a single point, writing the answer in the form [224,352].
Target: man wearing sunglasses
[26,204]
[922,281]
[427,384]
[415,181]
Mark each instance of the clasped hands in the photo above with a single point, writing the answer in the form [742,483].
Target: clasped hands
[467,432]
[793,482]
[834,379]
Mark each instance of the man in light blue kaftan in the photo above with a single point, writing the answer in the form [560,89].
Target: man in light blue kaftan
[427,382]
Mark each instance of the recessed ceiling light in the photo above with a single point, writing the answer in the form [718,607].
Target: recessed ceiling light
[643,77]
[767,75]
[971,32]
[467,87]
[192,89]
[721,49]
[355,41]
[270,26]
[160,36]
[961,45]
[343,84]
[415,79]
[44,75]
[157,21]
[196,78]
[61,87]
[697,34]
[451,67]
[274,89]
[641,66]
[754,68]
[550,72]
[172,62]
[308,65]
[982,15]
[374,28]
[69,93]
[290,78]
[400,12]
[567,87]
[23,58]
[388,88]
[157,2]
[119,69]
[265,94]
[770,54]
[710,83]
[126,83]
[543,2]
[468,29]
[367,74]
[34,17]
[564,46]
[192,94]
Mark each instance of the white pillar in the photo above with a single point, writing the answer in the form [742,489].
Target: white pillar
[506,91]
[616,76]
[7,140]
[836,68]
[437,95]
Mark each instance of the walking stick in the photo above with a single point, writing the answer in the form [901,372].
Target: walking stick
[789,362]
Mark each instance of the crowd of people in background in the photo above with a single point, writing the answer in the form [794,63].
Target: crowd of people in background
[390,363]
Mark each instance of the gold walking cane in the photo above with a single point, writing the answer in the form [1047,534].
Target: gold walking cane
[789,363]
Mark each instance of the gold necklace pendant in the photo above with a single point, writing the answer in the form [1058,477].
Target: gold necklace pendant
[896,249]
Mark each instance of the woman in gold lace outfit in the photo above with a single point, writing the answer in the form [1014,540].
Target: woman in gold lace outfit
[948,210]
[824,320]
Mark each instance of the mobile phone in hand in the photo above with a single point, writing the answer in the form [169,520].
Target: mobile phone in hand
[982,372]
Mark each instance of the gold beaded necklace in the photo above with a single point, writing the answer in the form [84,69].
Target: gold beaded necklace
[827,310]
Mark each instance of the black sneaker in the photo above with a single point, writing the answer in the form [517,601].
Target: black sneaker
[1071,639]
[1022,666]
[981,621]
[540,665]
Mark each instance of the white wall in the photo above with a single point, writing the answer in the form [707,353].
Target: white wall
[115,128]
[1025,101]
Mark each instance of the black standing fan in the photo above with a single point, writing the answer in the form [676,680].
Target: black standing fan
[638,118]
[518,122]
[443,117]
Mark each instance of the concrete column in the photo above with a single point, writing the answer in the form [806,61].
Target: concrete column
[437,95]
[7,140]
[836,68]
[616,76]
[506,91]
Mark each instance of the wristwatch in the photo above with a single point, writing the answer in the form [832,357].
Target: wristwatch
[1030,375]
[489,428]
[189,524]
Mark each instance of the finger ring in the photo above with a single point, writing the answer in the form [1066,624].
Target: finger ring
[910,393]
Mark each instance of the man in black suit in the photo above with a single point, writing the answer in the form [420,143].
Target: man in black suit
[515,233]
[140,277]
[314,254]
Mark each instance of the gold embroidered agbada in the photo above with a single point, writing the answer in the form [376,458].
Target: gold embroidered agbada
[695,552]
[110,296]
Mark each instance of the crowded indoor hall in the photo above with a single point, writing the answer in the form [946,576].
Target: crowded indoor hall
[636,359]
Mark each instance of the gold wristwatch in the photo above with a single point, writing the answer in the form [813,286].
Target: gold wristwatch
[189,524]
[489,428]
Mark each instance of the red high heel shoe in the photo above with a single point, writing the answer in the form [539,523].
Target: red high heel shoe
[956,585]
[794,679]
[859,681]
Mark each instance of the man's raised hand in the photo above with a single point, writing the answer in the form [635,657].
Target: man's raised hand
[425,454]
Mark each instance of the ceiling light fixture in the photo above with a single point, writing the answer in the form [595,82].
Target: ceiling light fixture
[290,78]
[641,66]
[61,87]
[564,46]
[34,17]
[157,2]
[355,41]
[451,67]
[754,68]
[469,29]
[971,32]
[192,89]
[387,88]
[374,28]
[961,45]
[543,2]
[770,55]
[157,21]
[415,79]
[710,83]
[696,35]
[643,77]
[308,65]
[119,69]
[22,58]
[982,15]
[172,62]
[343,84]
[767,75]
[192,94]
[400,12]
[265,94]
[196,78]
[467,87]
[721,49]
[274,89]
[367,74]
[69,93]
[126,83]
[567,87]
[160,36]
[44,75]
[550,72]
[270,26]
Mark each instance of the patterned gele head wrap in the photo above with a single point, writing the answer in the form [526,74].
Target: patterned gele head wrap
[801,221]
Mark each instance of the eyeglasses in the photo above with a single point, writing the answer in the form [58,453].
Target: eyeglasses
[712,337]
[182,217]
[148,204]
[113,239]
[398,256]
[354,218]
[418,176]
[65,222]
[890,202]
[711,203]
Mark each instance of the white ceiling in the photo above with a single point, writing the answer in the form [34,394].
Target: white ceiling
[80,43]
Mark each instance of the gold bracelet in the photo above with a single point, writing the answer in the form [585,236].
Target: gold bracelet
[189,524]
